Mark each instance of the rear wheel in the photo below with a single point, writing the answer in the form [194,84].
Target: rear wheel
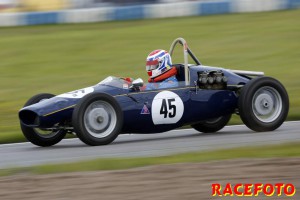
[38,136]
[263,104]
[212,125]
[97,119]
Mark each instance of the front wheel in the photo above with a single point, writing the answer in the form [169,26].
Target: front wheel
[263,104]
[97,119]
[38,136]
[212,125]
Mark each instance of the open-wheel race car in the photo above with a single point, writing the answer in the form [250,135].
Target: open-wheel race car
[205,99]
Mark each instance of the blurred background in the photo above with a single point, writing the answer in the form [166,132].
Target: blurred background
[50,5]
[56,46]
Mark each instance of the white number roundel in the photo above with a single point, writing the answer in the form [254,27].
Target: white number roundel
[167,108]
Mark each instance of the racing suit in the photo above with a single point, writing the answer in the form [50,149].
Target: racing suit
[167,83]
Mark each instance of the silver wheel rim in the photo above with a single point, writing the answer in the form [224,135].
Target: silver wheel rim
[267,104]
[44,133]
[100,119]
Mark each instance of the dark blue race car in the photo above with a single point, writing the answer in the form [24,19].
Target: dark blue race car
[205,99]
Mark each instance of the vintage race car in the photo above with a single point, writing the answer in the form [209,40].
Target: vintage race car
[205,99]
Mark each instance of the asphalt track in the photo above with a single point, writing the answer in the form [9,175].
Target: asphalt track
[134,145]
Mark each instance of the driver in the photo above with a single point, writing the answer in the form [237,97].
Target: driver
[160,70]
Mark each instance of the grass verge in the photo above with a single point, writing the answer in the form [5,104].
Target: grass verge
[269,151]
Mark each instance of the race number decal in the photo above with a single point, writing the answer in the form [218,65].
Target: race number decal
[77,93]
[167,108]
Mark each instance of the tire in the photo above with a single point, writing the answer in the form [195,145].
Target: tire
[97,119]
[212,125]
[263,104]
[39,136]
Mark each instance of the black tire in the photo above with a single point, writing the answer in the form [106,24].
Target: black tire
[38,136]
[212,125]
[97,119]
[263,104]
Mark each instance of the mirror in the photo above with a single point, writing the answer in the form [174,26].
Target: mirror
[138,83]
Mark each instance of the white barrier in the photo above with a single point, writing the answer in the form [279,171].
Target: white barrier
[86,15]
[171,10]
[9,19]
[257,5]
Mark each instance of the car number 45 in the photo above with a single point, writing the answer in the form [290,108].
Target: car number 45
[167,108]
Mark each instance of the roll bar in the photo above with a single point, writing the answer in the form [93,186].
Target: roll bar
[186,51]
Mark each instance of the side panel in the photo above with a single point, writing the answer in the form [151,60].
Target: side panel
[163,110]
[154,111]
[206,104]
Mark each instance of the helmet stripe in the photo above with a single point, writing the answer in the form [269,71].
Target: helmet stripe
[155,56]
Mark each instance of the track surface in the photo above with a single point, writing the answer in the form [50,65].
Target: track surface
[177,141]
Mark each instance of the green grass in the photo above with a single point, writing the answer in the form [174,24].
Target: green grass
[60,58]
[270,151]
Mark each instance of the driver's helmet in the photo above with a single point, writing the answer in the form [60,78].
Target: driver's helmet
[158,62]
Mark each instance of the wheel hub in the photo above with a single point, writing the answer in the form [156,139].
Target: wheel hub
[267,104]
[98,119]
[264,104]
